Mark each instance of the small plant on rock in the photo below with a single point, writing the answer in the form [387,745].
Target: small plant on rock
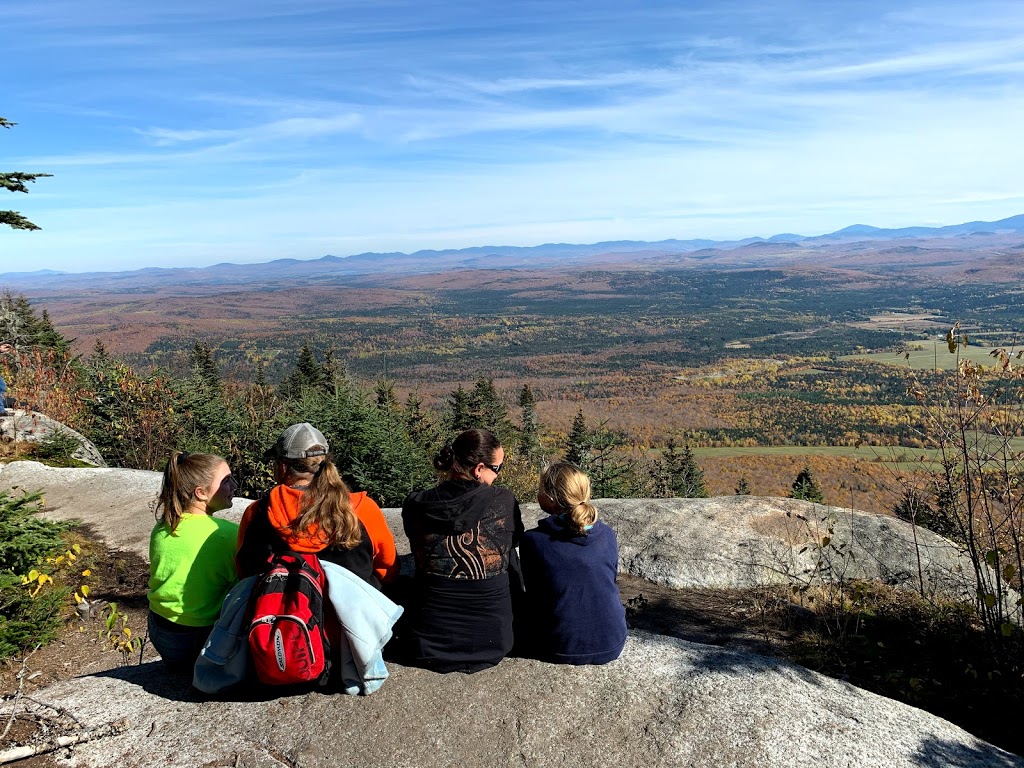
[119,636]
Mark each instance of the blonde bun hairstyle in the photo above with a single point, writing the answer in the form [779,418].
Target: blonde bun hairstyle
[569,487]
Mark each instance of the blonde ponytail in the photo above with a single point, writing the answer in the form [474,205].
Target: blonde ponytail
[569,488]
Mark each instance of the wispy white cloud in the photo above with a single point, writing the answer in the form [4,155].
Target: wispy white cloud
[201,131]
[289,128]
[939,59]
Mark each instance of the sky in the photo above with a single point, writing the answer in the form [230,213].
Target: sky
[190,133]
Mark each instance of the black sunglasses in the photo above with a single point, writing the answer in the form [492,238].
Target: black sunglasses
[495,468]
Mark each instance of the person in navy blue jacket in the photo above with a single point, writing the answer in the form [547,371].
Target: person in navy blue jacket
[570,560]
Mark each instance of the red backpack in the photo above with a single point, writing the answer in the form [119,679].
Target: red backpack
[287,639]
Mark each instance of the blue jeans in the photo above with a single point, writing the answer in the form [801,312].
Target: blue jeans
[178,646]
[3,396]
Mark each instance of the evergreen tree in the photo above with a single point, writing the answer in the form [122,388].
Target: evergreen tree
[311,373]
[743,487]
[307,375]
[609,472]
[683,473]
[488,411]
[385,392]
[260,375]
[419,424]
[458,417]
[20,325]
[334,370]
[16,181]
[805,488]
[578,444]
[48,337]
[207,422]
[17,320]
[913,507]
[204,370]
[529,437]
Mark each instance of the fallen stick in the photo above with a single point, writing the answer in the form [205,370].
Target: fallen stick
[20,692]
[100,732]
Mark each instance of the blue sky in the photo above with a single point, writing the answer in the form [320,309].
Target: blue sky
[188,133]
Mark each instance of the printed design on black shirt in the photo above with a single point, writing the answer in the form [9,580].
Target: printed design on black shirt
[464,552]
[481,552]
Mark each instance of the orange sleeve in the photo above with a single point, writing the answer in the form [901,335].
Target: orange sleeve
[385,556]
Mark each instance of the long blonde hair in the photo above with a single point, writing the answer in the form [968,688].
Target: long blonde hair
[183,474]
[569,487]
[326,510]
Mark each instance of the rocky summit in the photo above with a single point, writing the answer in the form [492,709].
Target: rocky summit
[666,702]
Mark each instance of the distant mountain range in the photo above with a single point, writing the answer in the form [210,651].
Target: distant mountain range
[860,240]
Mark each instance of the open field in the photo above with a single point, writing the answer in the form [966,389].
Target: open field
[883,454]
[931,323]
[932,355]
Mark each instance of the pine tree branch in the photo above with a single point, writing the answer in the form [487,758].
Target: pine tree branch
[15,220]
[15,181]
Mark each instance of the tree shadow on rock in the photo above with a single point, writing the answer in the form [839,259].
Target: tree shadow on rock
[722,617]
[734,663]
[934,752]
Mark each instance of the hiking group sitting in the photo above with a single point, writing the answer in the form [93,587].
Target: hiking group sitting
[306,588]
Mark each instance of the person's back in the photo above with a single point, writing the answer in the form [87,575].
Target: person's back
[191,556]
[312,511]
[573,613]
[574,609]
[462,534]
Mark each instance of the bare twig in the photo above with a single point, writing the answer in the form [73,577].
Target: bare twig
[22,674]
[101,732]
[59,710]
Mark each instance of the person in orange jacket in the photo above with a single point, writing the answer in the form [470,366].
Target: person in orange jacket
[312,510]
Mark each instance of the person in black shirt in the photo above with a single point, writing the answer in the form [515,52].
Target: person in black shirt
[463,534]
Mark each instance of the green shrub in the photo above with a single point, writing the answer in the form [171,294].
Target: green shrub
[58,446]
[27,621]
[26,541]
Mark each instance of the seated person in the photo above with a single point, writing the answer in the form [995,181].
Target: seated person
[312,510]
[573,614]
[191,556]
[462,533]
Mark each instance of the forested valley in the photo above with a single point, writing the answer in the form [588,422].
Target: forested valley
[670,382]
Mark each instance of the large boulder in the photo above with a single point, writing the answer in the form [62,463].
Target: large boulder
[730,541]
[743,541]
[666,702]
[35,427]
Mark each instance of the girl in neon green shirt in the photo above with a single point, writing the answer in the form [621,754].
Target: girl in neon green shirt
[191,556]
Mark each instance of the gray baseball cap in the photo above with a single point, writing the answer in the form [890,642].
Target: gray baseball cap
[299,441]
